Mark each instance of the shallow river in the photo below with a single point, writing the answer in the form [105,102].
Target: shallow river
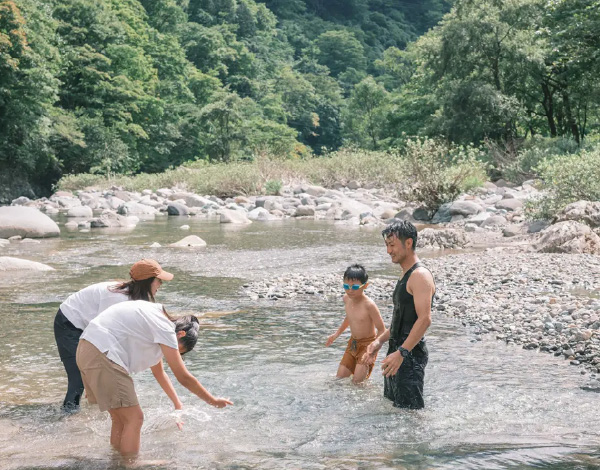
[488,405]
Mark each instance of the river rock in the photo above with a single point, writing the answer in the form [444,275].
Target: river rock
[512,230]
[441,238]
[509,204]
[304,211]
[537,226]
[26,222]
[443,214]
[422,214]
[465,208]
[230,216]
[81,211]
[111,219]
[135,208]
[192,241]
[20,201]
[494,221]
[72,225]
[174,208]
[586,212]
[314,190]
[191,200]
[260,213]
[568,237]
[8,263]
[4,242]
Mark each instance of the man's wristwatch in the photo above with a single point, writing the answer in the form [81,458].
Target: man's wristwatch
[403,351]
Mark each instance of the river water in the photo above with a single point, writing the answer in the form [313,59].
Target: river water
[488,405]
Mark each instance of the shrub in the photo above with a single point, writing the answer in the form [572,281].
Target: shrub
[273,187]
[436,173]
[517,161]
[566,179]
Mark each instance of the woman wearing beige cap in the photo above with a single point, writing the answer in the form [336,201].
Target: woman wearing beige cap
[76,312]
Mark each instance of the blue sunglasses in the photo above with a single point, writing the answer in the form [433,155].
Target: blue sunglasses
[354,286]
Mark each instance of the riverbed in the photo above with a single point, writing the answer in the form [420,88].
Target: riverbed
[489,405]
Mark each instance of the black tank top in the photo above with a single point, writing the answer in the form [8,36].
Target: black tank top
[405,313]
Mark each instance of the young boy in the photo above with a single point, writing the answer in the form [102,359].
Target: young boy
[363,317]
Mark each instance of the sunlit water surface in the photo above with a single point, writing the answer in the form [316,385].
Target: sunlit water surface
[488,405]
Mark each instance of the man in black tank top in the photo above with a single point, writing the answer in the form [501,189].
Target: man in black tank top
[404,365]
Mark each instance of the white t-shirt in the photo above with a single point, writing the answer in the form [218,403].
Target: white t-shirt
[131,334]
[83,306]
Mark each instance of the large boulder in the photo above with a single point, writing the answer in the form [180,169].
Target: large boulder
[442,239]
[230,216]
[17,264]
[582,211]
[465,208]
[191,241]
[568,237]
[135,208]
[191,199]
[26,222]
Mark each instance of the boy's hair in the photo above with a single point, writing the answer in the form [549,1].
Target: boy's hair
[403,231]
[358,272]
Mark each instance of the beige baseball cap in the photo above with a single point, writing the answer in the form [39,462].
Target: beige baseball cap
[147,268]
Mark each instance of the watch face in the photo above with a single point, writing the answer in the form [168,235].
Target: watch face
[403,352]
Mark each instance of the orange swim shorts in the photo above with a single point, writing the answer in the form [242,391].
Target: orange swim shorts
[354,352]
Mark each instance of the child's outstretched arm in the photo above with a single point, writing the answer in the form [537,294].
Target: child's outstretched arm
[340,330]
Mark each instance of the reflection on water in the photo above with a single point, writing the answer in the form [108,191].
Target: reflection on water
[489,406]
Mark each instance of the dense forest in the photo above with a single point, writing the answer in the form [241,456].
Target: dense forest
[127,86]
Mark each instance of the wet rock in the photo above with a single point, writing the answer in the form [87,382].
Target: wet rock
[111,219]
[26,222]
[155,245]
[423,214]
[184,227]
[568,237]
[229,216]
[135,208]
[175,208]
[442,215]
[191,241]
[8,263]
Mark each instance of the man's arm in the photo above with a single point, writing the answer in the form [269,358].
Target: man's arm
[422,288]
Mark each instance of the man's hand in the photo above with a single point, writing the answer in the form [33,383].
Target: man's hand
[330,339]
[221,402]
[391,364]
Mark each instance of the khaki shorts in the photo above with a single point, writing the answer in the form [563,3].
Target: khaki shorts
[354,353]
[106,383]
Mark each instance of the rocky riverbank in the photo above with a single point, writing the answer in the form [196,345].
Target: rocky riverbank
[491,215]
[544,302]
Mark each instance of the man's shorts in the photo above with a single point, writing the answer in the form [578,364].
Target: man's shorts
[405,388]
[354,352]
[106,383]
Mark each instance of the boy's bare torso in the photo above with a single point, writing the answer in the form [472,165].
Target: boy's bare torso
[358,313]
